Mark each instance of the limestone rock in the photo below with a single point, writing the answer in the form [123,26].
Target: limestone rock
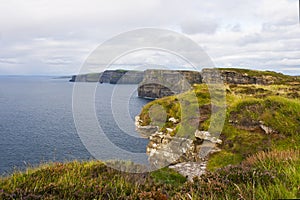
[144,131]
[172,119]
[205,135]
[266,129]
[190,169]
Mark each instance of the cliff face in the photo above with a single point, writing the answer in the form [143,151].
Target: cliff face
[161,83]
[242,76]
[155,84]
[94,77]
[126,77]
[121,77]
[111,76]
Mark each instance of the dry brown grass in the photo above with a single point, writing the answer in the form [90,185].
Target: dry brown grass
[275,156]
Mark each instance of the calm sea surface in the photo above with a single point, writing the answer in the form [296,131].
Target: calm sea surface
[36,121]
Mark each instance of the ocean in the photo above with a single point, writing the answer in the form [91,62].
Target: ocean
[37,125]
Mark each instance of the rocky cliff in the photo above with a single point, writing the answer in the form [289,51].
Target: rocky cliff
[121,77]
[111,76]
[161,83]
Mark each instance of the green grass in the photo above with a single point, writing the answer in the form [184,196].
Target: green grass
[247,107]
[264,175]
[281,78]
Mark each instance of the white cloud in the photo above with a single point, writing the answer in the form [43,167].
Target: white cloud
[250,39]
[194,26]
[55,36]
[9,60]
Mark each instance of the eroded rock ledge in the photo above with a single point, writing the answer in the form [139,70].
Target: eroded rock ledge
[185,155]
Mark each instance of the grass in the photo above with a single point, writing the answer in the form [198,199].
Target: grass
[264,175]
[248,106]
[277,77]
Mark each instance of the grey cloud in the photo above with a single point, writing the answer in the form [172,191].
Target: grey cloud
[56,36]
[58,61]
[233,27]
[9,61]
[250,39]
[280,24]
[236,28]
[194,26]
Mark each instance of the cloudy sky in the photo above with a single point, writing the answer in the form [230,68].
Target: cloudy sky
[55,37]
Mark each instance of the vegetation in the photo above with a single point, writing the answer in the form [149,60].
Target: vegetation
[278,77]
[265,175]
[248,108]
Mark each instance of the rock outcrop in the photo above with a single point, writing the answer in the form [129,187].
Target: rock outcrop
[144,131]
[161,83]
[187,156]
[121,77]
[238,76]
[190,169]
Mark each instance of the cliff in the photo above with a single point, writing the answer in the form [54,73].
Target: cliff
[93,77]
[161,83]
[111,76]
[258,118]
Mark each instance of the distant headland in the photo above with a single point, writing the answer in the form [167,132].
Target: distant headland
[156,83]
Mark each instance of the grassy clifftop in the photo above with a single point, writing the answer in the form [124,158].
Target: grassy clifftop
[258,118]
[257,72]
[271,175]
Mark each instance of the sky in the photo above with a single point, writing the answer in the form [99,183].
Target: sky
[55,37]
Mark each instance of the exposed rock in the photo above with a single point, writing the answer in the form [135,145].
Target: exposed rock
[190,169]
[172,119]
[266,129]
[205,135]
[186,156]
[164,150]
[249,124]
[236,76]
[153,91]
[144,131]
[161,83]
[170,130]
[124,77]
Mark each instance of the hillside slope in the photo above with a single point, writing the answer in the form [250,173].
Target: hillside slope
[272,175]
[258,118]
